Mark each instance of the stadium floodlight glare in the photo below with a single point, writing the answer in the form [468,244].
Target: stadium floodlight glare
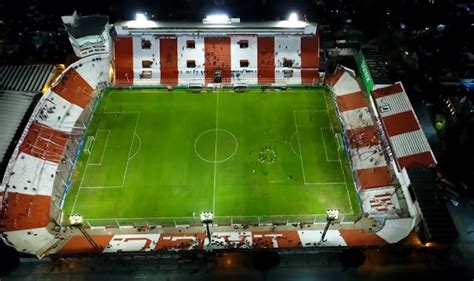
[216,19]
[293,17]
[140,17]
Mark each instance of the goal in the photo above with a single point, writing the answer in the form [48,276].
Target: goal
[339,142]
[89,142]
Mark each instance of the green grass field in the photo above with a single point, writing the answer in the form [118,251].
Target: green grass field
[160,155]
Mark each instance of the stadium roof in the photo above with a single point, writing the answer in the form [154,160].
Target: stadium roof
[376,63]
[438,224]
[267,27]
[19,84]
[13,110]
[407,139]
[87,26]
[25,78]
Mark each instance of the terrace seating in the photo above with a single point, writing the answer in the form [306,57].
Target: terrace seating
[365,149]
[31,186]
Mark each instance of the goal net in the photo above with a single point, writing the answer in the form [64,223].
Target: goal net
[339,142]
[89,142]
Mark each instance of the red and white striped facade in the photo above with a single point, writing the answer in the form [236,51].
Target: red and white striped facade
[367,154]
[407,139]
[290,57]
[32,187]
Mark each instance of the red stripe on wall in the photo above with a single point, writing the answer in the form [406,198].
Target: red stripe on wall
[416,160]
[400,123]
[386,91]
[374,177]
[169,61]
[44,142]
[124,61]
[330,79]
[217,58]
[266,60]
[25,211]
[74,88]
[351,101]
[309,60]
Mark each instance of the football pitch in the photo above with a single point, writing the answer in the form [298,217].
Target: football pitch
[152,155]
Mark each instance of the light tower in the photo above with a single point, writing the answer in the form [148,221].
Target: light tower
[331,215]
[207,218]
[76,221]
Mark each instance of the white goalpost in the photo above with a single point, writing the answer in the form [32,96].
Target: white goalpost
[89,142]
[340,144]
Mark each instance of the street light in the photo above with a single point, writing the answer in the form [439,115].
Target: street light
[77,221]
[207,218]
[331,215]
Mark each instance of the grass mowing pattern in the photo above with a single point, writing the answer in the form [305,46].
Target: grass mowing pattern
[159,155]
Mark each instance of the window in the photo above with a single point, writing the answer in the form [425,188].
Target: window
[145,74]
[287,73]
[384,108]
[287,62]
[244,44]
[190,44]
[191,63]
[244,63]
[146,63]
[146,44]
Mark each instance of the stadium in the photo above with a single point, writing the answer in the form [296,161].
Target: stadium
[211,136]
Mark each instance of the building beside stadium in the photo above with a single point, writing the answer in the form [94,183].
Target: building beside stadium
[390,158]
[89,35]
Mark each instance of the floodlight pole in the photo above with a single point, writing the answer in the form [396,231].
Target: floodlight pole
[76,222]
[332,215]
[207,218]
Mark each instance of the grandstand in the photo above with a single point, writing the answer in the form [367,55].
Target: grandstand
[149,70]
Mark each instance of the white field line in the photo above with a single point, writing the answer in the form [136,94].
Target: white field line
[169,218]
[301,158]
[343,175]
[291,145]
[130,151]
[324,143]
[339,156]
[139,147]
[102,187]
[87,164]
[215,156]
[83,176]
[103,150]
[299,146]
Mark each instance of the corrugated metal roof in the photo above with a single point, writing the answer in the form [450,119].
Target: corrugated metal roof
[376,63]
[402,127]
[13,108]
[25,78]
[438,224]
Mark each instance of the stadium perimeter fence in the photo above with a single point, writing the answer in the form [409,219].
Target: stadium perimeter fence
[218,221]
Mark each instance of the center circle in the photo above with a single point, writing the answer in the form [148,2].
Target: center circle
[216,145]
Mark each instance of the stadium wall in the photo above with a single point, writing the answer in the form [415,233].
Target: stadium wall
[39,169]
[185,59]
[380,198]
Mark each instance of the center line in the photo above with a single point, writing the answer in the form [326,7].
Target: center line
[215,156]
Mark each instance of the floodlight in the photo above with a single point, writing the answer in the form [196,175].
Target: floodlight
[140,17]
[75,219]
[216,19]
[293,17]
